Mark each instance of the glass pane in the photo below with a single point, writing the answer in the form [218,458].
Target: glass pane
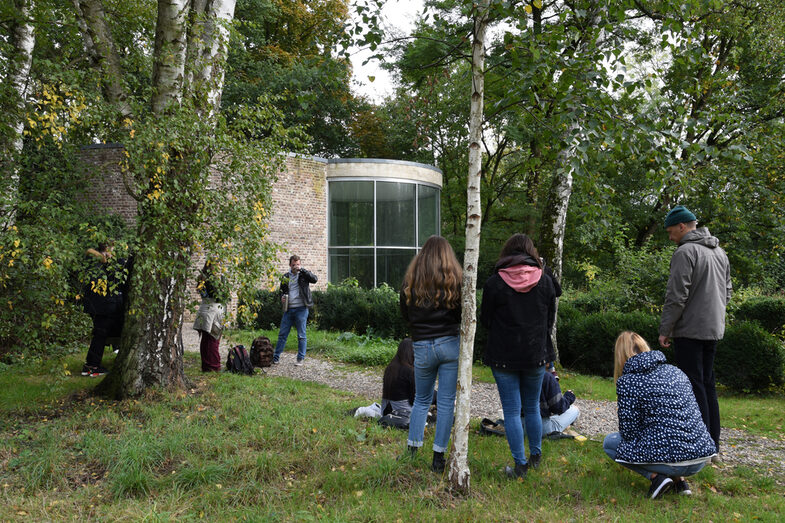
[354,263]
[351,213]
[395,214]
[391,265]
[429,212]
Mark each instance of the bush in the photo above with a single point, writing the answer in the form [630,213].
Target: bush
[749,358]
[348,307]
[261,310]
[768,311]
[591,338]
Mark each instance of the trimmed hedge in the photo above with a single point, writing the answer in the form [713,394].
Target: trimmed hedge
[768,311]
[590,339]
[749,358]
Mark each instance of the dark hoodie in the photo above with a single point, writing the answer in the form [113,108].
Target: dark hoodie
[659,420]
[699,288]
[518,309]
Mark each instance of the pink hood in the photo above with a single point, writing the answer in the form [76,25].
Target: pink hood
[521,277]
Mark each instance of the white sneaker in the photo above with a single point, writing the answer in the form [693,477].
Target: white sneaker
[299,363]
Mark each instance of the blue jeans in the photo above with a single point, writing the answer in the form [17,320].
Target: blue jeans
[432,358]
[298,316]
[646,470]
[521,388]
[560,422]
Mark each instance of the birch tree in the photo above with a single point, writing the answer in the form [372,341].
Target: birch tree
[178,147]
[460,474]
[22,45]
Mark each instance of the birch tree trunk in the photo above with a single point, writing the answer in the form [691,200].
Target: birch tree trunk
[99,46]
[23,44]
[169,54]
[191,38]
[460,474]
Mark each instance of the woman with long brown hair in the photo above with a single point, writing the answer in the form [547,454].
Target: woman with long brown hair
[431,304]
[518,309]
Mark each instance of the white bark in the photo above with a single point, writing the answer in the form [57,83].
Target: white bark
[460,474]
[169,53]
[207,48]
[22,43]
[99,45]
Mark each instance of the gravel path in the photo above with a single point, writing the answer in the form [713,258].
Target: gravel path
[597,418]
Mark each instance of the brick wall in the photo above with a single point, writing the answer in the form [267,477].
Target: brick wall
[108,192]
[298,223]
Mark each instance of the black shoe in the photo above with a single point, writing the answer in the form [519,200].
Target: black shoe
[534,460]
[682,487]
[86,369]
[438,462]
[659,486]
[275,361]
[519,471]
[411,453]
[98,371]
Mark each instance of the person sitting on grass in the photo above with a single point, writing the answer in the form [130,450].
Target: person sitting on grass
[661,432]
[398,381]
[557,410]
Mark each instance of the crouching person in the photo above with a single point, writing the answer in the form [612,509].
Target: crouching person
[661,433]
[557,410]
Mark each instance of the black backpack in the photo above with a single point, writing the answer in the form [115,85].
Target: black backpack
[237,360]
[262,352]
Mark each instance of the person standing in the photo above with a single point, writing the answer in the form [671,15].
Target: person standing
[693,315]
[518,309]
[209,322]
[430,302]
[297,300]
[104,300]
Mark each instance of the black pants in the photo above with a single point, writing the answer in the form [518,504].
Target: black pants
[103,327]
[696,359]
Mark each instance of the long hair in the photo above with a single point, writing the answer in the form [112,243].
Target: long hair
[628,344]
[434,276]
[520,244]
[403,358]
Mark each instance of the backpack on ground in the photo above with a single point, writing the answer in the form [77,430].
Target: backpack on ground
[262,352]
[237,360]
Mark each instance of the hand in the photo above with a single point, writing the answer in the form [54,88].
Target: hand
[665,341]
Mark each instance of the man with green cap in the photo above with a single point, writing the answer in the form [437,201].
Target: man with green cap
[699,289]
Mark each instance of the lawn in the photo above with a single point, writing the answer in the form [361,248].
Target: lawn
[262,448]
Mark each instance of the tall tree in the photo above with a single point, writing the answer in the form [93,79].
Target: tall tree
[460,475]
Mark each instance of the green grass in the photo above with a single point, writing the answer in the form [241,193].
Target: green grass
[274,449]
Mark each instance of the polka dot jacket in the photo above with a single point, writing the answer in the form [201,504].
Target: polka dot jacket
[659,420]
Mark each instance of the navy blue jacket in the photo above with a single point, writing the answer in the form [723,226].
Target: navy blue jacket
[552,401]
[659,420]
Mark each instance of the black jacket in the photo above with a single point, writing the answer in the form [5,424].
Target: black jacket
[304,281]
[518,323]
[106,286]
[427,323]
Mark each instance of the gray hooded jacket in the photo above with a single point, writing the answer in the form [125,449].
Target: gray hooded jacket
[699,288]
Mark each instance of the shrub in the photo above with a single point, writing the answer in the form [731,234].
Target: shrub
[749,358]
[261,310]
[768,311]
[591,339]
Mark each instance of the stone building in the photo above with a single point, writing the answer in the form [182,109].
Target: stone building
[360,218]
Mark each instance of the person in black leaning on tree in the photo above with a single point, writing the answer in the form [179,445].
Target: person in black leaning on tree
[104,300]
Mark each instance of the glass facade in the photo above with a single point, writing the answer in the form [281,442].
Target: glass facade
[376,227]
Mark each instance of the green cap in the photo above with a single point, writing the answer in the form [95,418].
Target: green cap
[679,214]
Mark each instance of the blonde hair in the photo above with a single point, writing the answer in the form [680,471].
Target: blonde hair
[628,344]
[434,276]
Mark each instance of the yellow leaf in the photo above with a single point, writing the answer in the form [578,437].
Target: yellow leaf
[537,4]
[528,8]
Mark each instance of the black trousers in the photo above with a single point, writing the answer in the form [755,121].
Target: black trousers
[696,359]
[103,327]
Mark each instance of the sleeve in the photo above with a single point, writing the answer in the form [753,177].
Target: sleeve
[678,291]
[486,306]
[402,304]
[309,276]
[630,417]
[556,284]
[728,284]
[284,289]
[555,401]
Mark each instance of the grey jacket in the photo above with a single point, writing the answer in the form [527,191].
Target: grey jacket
[699,288]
